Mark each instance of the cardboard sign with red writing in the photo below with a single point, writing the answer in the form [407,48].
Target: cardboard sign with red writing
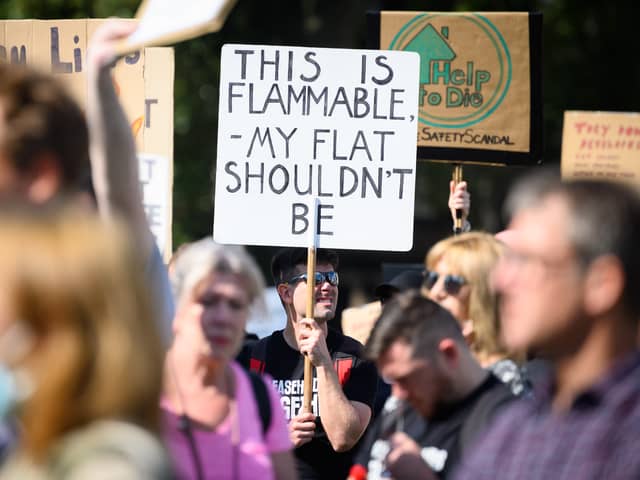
[601,145]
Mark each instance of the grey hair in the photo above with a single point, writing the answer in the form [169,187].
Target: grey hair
[197,260]
[604,220]
[528,190]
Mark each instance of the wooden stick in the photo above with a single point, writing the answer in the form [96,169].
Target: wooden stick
[457,178]
[308,367]
[311,288]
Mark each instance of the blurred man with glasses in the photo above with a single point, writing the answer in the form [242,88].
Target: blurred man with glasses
[569,293]
[343,383]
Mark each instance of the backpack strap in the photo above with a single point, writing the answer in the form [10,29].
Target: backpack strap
[258,356]
[262,400]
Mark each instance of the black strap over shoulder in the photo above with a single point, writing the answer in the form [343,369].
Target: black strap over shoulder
[262,400]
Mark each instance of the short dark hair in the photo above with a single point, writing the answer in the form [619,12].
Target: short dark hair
[420,322]
[40,117]
[604,220]
[285,261]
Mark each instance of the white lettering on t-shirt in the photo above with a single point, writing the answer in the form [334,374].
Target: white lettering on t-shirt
[376,467]
[434,457]
[292,394]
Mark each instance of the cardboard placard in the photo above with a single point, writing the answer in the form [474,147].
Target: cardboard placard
[480,82]
[601,145]
[143,81]
[17,37]
[298,124]
[156,163]
[357,322]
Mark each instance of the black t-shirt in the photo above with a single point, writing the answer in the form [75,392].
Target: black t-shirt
[358,377]
[443,438]
[395,416]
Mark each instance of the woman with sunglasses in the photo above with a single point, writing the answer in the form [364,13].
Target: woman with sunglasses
[215,426]
[457,276]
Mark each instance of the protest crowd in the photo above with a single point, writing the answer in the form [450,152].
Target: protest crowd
[511,356]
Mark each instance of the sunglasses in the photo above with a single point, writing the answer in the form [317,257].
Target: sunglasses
[320,278]
[452,283]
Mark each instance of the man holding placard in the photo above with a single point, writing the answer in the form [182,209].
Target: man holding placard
[317,148]
[343,383]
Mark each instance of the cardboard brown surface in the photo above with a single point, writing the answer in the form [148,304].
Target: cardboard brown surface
[18,38]
[476,81]
[3,47]
[158,129]
[60,47]
[601,145]
[357,322]
[128,78]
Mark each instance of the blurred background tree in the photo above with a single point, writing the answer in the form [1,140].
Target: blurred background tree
[589,62]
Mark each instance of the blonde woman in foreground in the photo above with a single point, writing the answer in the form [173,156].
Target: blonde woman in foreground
[77,335]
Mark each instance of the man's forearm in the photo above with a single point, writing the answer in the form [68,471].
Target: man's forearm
[113,157]
[341,420]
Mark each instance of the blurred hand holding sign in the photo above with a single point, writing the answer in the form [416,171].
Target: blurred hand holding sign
[164,22]
[601,146]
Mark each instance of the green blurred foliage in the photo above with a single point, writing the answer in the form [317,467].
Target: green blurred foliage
[589,57]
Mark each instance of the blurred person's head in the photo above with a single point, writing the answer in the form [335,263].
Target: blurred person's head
[214,286]
[44,144]
[405,280]
[573,264]
[458,278]
[289,270]
[418,346]
[174,257]
[76,321]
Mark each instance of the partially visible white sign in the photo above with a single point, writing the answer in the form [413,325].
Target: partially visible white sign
[156,196]
[334,125]
[163,22]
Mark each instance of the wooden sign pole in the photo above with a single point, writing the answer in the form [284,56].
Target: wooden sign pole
[457,178]
[311,288]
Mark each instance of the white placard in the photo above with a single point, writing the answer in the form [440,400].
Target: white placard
[156,196]
[163,22]
[301,123]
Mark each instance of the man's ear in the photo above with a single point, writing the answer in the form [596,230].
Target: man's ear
[604,285]
[285,293]
[44,178]
[449,350]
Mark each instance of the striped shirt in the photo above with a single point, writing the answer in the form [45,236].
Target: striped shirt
[596,439]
